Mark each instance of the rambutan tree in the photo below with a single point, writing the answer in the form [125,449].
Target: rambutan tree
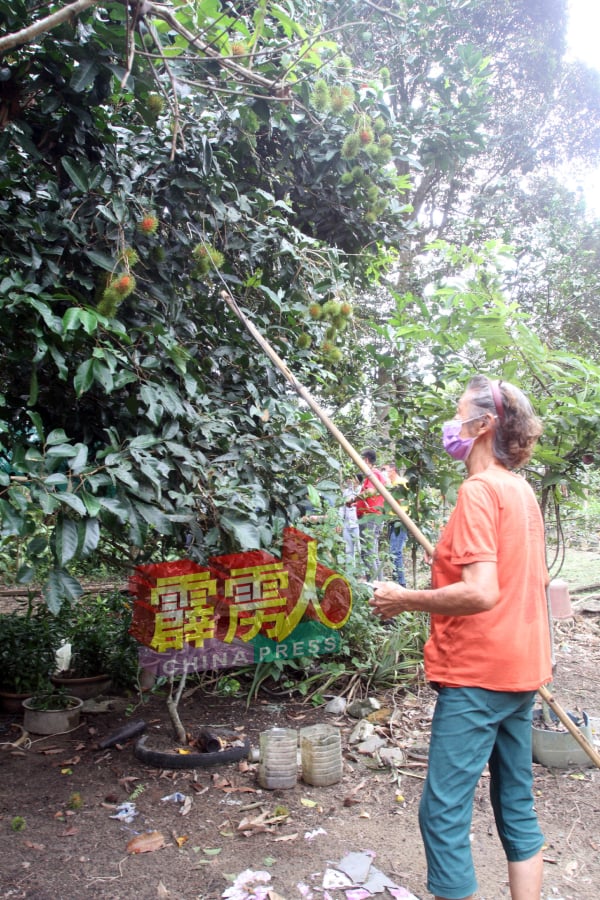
[153,156]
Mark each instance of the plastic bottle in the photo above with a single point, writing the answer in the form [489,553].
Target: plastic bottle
[278,760]
[321,754]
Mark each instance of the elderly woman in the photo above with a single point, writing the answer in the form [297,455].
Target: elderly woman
[489,646]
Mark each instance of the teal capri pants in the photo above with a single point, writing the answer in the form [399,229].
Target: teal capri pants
[471,727]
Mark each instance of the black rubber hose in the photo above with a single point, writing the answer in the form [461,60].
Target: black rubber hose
[132,729]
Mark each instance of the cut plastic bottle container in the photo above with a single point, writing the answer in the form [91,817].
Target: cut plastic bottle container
[321,754]
[560,601]
[278,759]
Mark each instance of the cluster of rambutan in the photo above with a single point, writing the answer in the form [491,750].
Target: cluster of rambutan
[335,313]
[119,287]
[336,99]
[206,258]
[122,283]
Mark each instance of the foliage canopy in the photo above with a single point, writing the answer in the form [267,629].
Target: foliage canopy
[151,155]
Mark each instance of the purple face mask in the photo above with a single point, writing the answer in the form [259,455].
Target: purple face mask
[457,447]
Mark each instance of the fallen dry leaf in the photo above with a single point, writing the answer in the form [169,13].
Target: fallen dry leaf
[146,843]
[351,798]
[70,832]
[69,762]
[239,790]
[285,837]
[199,788]
[127,780]
[219,782]
[31,846]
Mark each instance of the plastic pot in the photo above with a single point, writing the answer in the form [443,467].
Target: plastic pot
[559,749]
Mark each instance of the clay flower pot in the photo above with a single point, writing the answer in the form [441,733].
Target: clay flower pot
[11,702]
[51,721]
[84,688]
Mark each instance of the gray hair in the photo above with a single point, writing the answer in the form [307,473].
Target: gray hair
[517,426]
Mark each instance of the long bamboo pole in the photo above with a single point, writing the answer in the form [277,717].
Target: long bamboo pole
[381,488]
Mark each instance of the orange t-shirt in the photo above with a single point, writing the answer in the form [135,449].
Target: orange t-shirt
[507,648]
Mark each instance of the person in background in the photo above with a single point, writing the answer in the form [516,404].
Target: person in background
[489,645]
[397,535]
[369,509]
[350,529]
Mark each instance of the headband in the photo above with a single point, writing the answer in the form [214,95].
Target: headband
[497,398]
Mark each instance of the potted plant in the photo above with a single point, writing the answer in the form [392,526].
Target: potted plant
[51,711]
[28,642]
[102,651]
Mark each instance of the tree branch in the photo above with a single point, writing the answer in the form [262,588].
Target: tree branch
[26,35]
[145,9]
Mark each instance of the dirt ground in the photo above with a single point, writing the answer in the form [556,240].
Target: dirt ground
[66,792]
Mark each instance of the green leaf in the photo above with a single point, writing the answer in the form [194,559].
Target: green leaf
[62,451]
[103,376]
[57,479]
[76,317]
[92,503]
[115,507]
[67,540]
[36,420]
[60,587]
[84,377]
[314,496]
[48,503]
[56,436]
[50,320]
[73,501]
[91,536]
[142,441]
[153,516]
[76,173]
[101,259]
[34,388]
[37,546]
[83,76]
[245,534]
[79,461]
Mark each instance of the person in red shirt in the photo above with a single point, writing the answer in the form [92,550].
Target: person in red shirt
[369,509]
[489,646]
